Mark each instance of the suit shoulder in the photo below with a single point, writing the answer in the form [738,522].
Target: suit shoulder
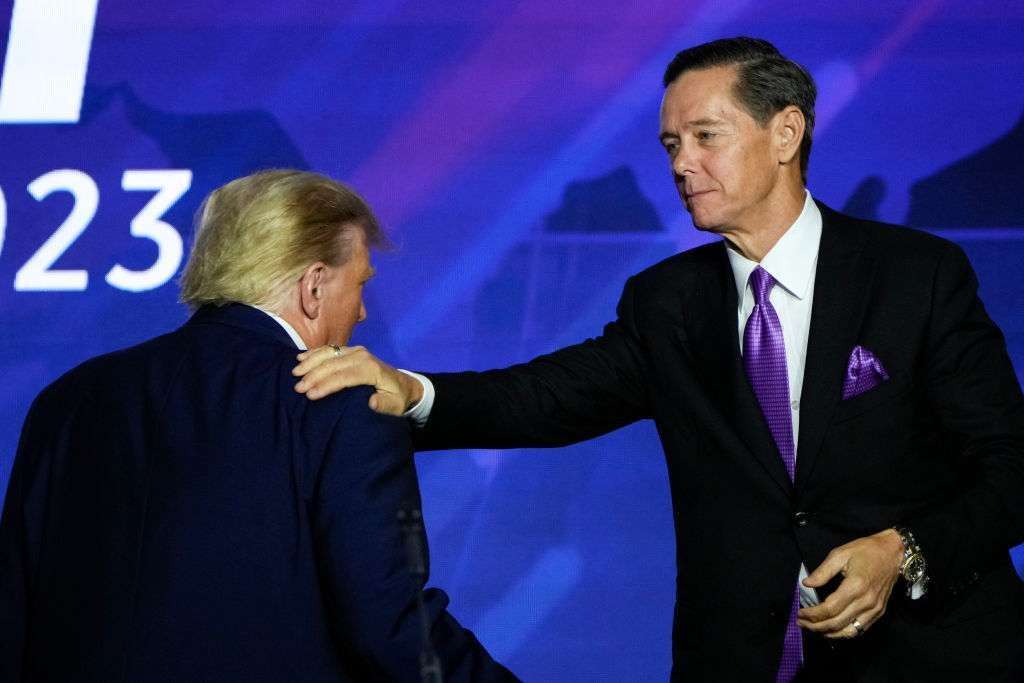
[678,267]
[352,402]
[86,375]
[349,409]
[351,437]
[894,241]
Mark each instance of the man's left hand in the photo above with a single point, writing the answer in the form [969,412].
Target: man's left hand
[330,369]
[870,567]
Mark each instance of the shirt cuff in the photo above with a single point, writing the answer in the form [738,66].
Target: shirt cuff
[918,590]
[420,412]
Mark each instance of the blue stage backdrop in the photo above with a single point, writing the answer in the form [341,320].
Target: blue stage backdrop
[510,146]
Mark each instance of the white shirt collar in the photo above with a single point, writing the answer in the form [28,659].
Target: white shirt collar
[287,328]
[792,260]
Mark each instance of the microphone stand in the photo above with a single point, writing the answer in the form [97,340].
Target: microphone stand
[411,520]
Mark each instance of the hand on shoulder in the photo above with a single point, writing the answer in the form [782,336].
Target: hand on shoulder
[329,369]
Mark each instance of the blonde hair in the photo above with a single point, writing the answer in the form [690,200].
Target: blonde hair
[255,236]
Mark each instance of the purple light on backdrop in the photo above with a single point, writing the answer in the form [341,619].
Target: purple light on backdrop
[465,123]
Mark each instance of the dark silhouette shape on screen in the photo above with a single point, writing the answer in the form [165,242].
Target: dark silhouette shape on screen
[866,198]
[225,144]
[611,203]
[983,190]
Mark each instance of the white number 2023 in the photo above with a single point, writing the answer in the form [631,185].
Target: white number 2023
[170,185]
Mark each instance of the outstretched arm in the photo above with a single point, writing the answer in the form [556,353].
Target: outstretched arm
[570,395]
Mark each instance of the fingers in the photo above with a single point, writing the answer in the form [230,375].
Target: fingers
[313,358]
[832,608]
[327,370]
[387,404]
[838,616]
[846,625]
[856,599]
[850,630]
[327,375]
[834,563]
[869,572]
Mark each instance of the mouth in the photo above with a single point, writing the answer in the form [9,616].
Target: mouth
[690,195]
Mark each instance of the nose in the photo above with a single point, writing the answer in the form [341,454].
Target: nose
[362,312]
[683,163]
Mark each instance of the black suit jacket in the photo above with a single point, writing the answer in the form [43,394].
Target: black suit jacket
[939,447]
[177,512]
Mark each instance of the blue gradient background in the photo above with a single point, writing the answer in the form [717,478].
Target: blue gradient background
[511,150]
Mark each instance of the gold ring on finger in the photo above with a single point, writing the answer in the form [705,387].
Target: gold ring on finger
[858,626]
[337,350]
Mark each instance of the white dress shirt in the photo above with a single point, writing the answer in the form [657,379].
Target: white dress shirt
[299,344]
[421,411]
[792,262]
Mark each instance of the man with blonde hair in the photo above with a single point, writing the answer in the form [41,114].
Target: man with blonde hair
[177,512]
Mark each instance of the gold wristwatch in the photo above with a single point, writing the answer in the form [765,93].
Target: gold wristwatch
[914,568]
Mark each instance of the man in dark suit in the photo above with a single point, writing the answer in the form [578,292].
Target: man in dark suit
[178,513]
[831,396]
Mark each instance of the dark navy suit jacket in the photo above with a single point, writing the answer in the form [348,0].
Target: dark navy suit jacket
[177,512]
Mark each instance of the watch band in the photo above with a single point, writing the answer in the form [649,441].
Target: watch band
[914,567]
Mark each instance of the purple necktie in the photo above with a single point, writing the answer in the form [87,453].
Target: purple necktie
[764,358]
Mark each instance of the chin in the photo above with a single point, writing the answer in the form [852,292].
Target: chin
[706,223]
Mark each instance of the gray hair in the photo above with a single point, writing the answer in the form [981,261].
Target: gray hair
[766,83]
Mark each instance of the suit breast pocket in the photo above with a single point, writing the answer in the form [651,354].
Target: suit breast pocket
[896,386]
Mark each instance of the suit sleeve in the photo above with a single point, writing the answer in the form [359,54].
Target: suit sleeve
[14,573]
[366,478]
[571,395]
[21,534]
[972,387]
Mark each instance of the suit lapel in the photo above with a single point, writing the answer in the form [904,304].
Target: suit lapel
[713,335]
[842,288]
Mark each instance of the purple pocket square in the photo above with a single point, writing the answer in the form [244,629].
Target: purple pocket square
[863,372]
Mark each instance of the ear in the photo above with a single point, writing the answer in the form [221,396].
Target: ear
[310,284]
[788,133]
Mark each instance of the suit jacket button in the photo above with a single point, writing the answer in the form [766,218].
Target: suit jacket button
[800,518]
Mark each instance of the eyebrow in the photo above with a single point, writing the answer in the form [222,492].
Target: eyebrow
[698,123]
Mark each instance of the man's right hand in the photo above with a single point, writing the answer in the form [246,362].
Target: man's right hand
[327,370]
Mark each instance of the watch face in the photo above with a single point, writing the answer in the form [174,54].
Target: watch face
[914,569]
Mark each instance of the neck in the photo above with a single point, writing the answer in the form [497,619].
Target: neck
[756,235]
[301,325]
